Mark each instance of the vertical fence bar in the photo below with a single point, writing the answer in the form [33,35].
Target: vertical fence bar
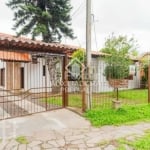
[149,84]
[84,104]
[45,83]
[65,82]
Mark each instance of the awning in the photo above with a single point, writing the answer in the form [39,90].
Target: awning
[15,56]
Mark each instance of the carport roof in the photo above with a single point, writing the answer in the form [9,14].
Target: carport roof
[15,56]
[10,42]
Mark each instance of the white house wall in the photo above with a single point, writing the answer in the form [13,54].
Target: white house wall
[99,82]
[33,77]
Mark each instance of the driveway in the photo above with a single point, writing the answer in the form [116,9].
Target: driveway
[63,129]
[52,120]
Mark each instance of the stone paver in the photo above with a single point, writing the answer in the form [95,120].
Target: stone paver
[89,139]
[22,147]
[34,143]
[79,138]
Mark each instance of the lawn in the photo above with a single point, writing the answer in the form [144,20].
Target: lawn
[74,100]
[133,96]
[101,114]
[136,96]
[126,114]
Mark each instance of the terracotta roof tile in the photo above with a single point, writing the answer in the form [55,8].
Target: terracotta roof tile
[30,45]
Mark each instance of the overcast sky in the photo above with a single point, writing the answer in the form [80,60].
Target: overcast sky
[125,17]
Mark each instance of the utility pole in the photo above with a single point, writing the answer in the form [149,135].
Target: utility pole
[88,51]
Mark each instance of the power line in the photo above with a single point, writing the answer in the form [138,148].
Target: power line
[77,10]
[95,37]
[94,27]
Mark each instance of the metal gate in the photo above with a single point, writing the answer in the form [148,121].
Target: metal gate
[29,83]
[32,76]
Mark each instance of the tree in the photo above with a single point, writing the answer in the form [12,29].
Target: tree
[79,54]
[47,18]
[75,65]
[119,50]
[145,61]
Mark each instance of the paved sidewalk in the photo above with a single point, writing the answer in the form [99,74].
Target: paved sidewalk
[65,130]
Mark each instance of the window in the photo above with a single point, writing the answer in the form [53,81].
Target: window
[22,77]
[44,70]
[2,79]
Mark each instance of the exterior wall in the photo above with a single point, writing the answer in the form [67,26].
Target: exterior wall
[35,81]
[99,82]
[135,83]
[33,77]
[12,79]
[12,75]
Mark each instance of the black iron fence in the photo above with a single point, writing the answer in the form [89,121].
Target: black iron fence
[29,85]
[130,90]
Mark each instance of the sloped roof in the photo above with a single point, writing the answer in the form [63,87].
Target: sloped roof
[15,56]
[11,42]
[146,54]
[98,54]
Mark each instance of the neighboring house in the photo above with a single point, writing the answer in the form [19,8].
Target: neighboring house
[144,60]
[99,82]
[144,63]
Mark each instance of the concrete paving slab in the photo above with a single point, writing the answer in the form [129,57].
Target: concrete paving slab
[53,120]
[3,114]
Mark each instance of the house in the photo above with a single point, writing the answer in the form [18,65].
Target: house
[144,62]
[34,72]
[35,66]
[99,82]
[27,65]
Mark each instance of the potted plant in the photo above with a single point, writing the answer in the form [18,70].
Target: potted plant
[117,61]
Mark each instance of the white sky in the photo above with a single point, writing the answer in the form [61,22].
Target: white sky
[125,17]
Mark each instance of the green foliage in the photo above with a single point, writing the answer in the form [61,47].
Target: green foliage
[100,117]
[22,140]
[79,54]
[118,60]
[48,18]
[116,71]
[140,143]
[145,68]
